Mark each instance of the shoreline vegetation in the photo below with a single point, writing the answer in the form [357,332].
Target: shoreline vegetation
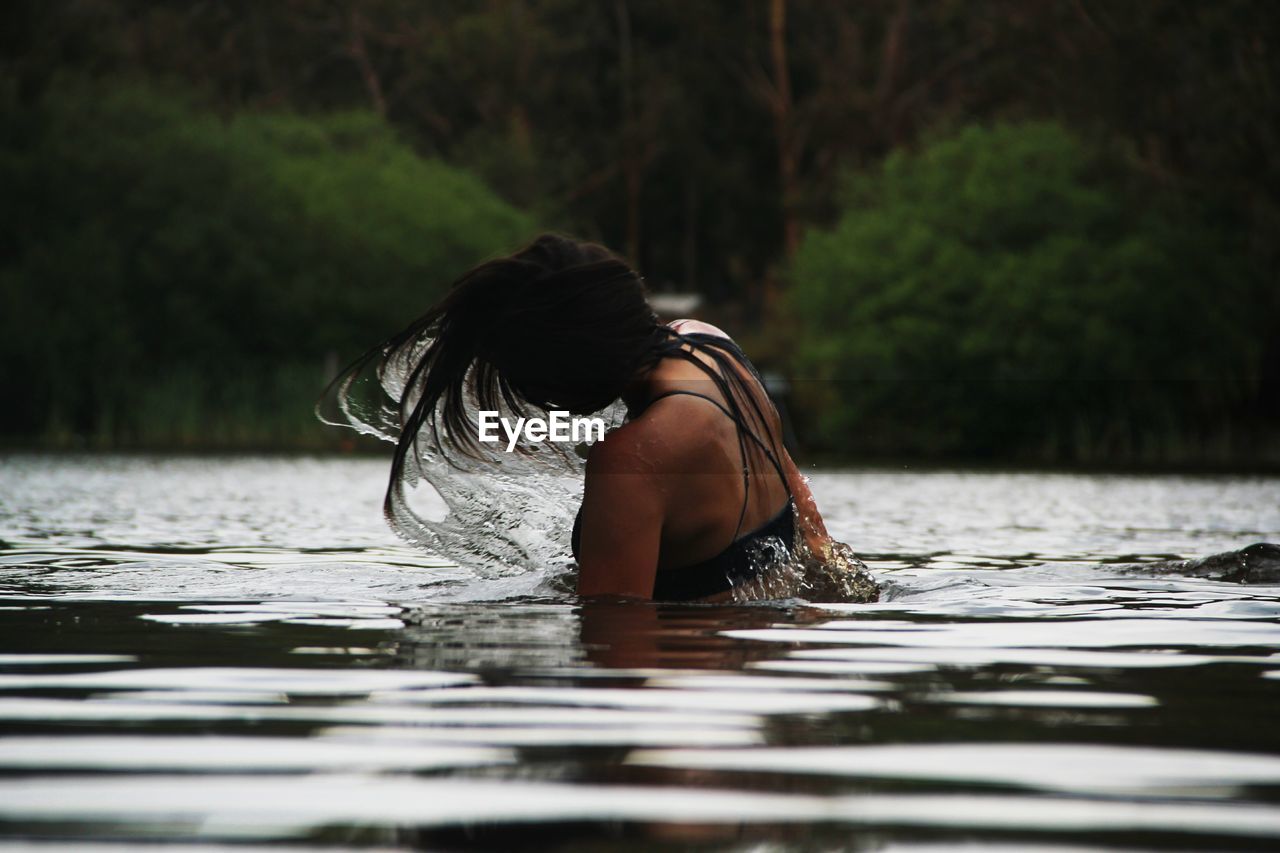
[316,232]
[1040,277]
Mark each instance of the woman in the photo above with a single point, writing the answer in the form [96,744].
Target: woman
[693,496]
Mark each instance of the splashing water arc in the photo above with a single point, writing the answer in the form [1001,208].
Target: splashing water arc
[501,515]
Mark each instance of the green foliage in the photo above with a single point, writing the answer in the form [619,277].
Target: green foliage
[1009,291]
[168,274]
[667,130]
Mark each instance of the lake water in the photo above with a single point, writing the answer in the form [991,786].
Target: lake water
[232,653]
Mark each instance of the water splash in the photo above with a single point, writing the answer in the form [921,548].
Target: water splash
[794,571]
[502,514]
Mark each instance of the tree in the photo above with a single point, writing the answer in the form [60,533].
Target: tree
[1006,290]
[157,246]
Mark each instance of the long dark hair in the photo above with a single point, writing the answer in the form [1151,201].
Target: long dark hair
[560,323]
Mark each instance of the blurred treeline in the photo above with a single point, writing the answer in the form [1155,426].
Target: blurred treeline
[1023,231]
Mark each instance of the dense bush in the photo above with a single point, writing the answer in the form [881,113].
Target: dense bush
[169,276]
[1009,291]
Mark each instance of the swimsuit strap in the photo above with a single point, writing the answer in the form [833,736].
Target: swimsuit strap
[713,401]
[746,482]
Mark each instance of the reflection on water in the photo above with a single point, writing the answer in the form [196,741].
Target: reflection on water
[223,653]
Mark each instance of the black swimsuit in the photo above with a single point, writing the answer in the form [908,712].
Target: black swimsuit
[744,558]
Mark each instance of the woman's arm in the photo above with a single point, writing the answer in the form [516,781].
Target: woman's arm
[622,514]
[812,527]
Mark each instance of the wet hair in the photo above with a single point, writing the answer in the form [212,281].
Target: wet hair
[561,323]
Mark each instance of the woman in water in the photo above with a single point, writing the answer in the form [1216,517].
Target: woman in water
[693,496]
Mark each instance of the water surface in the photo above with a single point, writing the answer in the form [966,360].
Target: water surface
[229,653]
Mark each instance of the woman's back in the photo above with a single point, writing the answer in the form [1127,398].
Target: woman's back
[711,503]
[718,472]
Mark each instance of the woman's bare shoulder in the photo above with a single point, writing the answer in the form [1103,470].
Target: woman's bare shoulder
[698,327]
